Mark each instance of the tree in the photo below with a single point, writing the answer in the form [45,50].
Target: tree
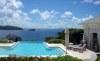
[76,35]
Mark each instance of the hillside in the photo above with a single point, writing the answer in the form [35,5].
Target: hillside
[10,28]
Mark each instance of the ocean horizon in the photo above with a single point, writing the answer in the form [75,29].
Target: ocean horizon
[36,35]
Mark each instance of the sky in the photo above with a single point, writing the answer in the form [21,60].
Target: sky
[50,14]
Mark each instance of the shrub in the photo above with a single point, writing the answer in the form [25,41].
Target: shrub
[55,40]
[98,58]
[60,58]
[76,35]
[5,41]
[61,35]
[13,37]
[48,38]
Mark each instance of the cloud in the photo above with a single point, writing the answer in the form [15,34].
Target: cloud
[87,18]
[44,15]
[67,14]
[80,20]
[35,11]
[88,1]
[55,19]
[95,2]
[74,22]
[11,14]
[2,3]
[48,14]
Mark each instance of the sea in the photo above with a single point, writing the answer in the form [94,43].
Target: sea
[36,35]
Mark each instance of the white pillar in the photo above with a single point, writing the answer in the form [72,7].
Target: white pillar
[66,38]
[99,41]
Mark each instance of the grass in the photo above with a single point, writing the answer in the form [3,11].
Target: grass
[61,58]
[98,58]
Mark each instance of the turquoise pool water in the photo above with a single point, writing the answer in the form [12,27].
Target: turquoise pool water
[30,48]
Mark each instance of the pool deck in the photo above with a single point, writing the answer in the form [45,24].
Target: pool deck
[86,55]
[8,44]
[56,45]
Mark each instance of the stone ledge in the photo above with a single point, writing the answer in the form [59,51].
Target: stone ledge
[8,44]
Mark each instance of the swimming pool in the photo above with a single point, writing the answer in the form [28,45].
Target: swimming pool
[31,48]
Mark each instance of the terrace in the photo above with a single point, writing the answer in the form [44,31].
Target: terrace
[32,48]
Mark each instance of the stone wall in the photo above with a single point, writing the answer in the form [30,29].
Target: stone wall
[89,30]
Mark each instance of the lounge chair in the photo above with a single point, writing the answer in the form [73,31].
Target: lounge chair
[81,47]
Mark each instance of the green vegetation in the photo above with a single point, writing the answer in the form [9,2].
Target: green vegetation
[5,41]
[76,36]
[55,41]
[61,35]
[58,39]
[13,37]
[62,58]
[10,38]
[98,58]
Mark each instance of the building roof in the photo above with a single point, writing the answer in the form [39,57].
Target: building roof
[92,20]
